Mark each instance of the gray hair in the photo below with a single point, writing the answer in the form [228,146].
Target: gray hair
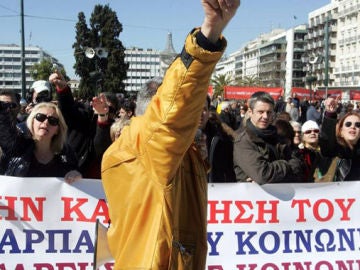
[260,96]
[145,94]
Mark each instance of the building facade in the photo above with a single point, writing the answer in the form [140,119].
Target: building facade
[274,59]
[145,64]
[10,65]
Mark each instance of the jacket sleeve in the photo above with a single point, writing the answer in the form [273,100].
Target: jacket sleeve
[327,138]
[165,132]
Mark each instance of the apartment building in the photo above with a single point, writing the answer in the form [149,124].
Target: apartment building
[10,65]
[321,40]
[274,58]
[145,64]
[347,64]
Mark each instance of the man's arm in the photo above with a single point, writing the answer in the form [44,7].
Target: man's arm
[168,127]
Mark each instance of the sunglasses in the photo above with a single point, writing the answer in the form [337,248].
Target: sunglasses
[51,119]
[316,131]
[349,124]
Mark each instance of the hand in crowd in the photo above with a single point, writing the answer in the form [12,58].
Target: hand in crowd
[330,104]
[217,15]
[72,176]
[58,80]
[100,104]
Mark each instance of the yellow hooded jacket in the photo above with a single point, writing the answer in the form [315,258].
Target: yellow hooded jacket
[155,179]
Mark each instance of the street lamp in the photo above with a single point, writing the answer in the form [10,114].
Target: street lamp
[311,77]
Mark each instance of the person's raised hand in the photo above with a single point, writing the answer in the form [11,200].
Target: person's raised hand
[58,80]
[217,15]
[100,105]
[330,104]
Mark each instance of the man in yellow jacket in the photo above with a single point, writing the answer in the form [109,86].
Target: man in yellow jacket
[153,175]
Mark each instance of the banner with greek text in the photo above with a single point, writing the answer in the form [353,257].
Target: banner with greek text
[47,224]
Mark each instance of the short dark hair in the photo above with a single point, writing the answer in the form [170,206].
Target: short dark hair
[260,96]
[15,96]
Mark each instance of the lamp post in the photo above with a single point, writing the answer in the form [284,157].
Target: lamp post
[326,40]
[23,76]
[311,78]
[101,53]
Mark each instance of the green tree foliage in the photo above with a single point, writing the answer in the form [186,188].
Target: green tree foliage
[100,73]
[249,81]
[219,82]
[43,69]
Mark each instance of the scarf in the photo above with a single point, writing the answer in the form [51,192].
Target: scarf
[269,135]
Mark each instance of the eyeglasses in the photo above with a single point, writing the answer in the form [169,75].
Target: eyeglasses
[297,131]
[51,119]
[316,131]
[349,124]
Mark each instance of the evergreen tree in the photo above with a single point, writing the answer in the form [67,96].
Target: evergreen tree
[106,71]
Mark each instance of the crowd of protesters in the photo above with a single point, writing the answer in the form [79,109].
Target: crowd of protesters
[61,137]
[295,140]
[259,139]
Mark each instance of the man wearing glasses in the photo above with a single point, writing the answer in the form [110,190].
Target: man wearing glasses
[258,154]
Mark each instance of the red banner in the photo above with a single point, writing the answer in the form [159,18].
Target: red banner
[321,94]
[245,92]
[355,94]
[302,92]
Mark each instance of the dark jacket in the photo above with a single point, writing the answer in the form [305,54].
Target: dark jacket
[81,124]
[18,154]
[265,160]
[220,154]
[348,168]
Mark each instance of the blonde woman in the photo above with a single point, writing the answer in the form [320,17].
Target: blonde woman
[117,126]
[41,154]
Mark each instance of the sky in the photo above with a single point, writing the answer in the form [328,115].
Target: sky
[51,24]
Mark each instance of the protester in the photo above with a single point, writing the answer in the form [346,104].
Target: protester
[258,155]
[304,106]
[220,150]
[316,164]
[127,109]
[39,91]
[9,108]
[38,155]
[116,128]
[314,112]
[226,116]
[153,176]
[341,140]
[82,125]
[285,132]
[297,130]
[10,102]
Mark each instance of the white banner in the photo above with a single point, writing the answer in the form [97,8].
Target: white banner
[47,224]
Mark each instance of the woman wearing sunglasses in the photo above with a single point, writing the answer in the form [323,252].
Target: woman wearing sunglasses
[316,165]
[341,138]
[40,155]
